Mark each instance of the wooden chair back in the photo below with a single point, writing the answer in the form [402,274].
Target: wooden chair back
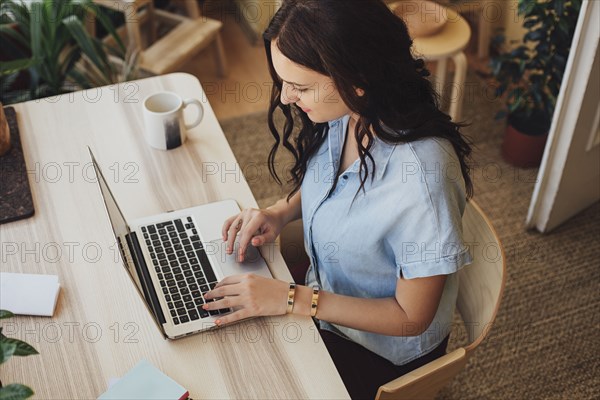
[481,285]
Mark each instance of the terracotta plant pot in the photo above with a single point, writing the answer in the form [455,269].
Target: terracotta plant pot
[4,133]
[522,150]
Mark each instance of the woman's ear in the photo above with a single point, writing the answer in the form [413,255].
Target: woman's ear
[359,92]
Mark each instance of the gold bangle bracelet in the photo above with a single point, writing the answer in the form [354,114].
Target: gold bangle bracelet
[314,302]
[291,295]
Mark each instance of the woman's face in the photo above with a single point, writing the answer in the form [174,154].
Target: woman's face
[315,93]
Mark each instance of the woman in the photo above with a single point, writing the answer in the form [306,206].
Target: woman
[381,180]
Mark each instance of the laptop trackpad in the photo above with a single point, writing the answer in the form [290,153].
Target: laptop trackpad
[253,261]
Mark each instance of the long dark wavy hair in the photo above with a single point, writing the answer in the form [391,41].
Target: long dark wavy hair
[359,44]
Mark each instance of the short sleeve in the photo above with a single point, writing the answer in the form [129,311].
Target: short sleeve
[427,239]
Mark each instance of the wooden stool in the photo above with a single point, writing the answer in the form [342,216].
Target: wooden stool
[480,10]
[187,36]
[448,43]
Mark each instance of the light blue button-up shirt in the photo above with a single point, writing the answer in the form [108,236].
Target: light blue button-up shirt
[407,224]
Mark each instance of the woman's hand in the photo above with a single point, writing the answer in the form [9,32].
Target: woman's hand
[254,226]
[250,294]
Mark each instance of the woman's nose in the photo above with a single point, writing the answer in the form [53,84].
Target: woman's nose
[287,94]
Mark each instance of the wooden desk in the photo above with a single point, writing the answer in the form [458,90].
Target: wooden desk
[101,328]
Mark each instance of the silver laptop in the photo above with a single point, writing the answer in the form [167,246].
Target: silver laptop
[176,257]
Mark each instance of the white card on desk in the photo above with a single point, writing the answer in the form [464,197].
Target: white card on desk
[28,294]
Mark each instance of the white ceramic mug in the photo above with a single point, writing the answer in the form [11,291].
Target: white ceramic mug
[163,116]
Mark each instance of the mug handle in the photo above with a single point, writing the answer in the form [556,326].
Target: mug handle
[200,112]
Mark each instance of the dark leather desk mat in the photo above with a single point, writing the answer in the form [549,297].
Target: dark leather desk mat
[16,201]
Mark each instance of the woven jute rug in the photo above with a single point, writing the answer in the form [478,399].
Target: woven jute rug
[545,343]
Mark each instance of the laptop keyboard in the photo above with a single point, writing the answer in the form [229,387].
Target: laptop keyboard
[183,268]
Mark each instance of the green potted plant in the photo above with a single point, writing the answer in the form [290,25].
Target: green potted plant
[48,39]
[8,348]
[529,77]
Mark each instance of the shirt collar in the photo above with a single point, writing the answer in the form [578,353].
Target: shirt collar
[380,150]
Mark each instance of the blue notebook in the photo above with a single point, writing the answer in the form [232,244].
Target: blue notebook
[147,382]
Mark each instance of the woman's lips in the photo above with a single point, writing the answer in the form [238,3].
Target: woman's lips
[306,110]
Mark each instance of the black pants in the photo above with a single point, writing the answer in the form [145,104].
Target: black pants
[363,371]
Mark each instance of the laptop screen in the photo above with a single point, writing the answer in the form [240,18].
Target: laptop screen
[117,219]
[121,229]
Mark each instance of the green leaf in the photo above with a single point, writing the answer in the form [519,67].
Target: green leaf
[564,27]
[80,79]
[559,7]
[35,29]
[561,61]
[85,41]
[21,348]
[48,20]
[519,52]
[6,314]
[6,351]
[15,391]
[542,49]
[10,67]
[501,89]
[526,6]
[36,38]
[14,96]
[20,11]
[534,8]
[9,31]
[73,55]
[535,36]
[105,22]
[531,22]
